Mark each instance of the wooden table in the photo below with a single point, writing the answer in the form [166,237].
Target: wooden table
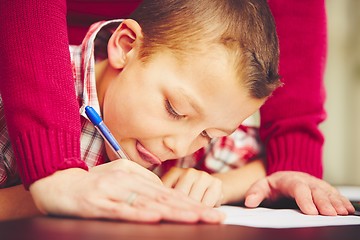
[51,228]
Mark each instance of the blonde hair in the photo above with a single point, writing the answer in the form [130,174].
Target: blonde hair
[245,28]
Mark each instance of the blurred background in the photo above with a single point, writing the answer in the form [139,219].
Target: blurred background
[342,81]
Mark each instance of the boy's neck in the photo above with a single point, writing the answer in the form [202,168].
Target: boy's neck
[103,76]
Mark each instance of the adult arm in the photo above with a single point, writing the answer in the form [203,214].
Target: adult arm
[290,118]
[37,88]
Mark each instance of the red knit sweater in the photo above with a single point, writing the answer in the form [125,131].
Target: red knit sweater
[39,97]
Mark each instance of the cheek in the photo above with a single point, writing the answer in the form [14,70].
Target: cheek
[121,119]
[117,111]
[133,117]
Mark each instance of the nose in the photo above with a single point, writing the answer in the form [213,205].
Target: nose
[184,144]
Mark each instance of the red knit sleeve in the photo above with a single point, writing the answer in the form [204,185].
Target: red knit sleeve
[37,87]
[290,118]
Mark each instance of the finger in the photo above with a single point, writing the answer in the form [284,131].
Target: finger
[212,195]
[212,215]
[164,195]
[122,211]
[128,167]
[197,191]
[185,183]
[170,210]
[340,204]
[182,201]
[202,182]
[257,193]
[140,170]
[206,214]
[323,202]
[304,199]
[170,178]
[349,207]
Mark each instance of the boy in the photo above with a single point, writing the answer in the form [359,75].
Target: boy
[183,129]
[169,81]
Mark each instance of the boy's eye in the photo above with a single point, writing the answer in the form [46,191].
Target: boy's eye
[172,111]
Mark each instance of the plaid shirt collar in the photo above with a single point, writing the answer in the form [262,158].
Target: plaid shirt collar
[94,44]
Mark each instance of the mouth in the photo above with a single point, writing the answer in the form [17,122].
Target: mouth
[146,155]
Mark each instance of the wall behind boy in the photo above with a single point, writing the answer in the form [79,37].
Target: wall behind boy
[342,81]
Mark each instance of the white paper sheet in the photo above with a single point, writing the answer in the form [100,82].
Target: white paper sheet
[282,218]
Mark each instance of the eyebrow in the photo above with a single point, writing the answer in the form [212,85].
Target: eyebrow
[191,100]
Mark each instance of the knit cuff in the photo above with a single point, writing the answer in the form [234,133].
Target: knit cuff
[295,152]
[41,153]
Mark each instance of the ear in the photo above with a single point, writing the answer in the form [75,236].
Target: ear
[122,41]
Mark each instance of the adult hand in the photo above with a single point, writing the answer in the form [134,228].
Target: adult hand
[121,190]
[129,167]
[199,185]
[312,195]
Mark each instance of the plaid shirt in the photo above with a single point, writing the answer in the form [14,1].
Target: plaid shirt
[221,155]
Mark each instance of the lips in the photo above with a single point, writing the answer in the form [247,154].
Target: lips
[146,155]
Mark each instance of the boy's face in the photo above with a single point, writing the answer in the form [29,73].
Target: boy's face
[167,109]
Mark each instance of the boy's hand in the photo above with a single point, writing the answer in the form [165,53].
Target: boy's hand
[199,185]
[312,195]
[120,191]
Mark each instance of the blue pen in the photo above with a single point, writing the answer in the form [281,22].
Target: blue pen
[104,131]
